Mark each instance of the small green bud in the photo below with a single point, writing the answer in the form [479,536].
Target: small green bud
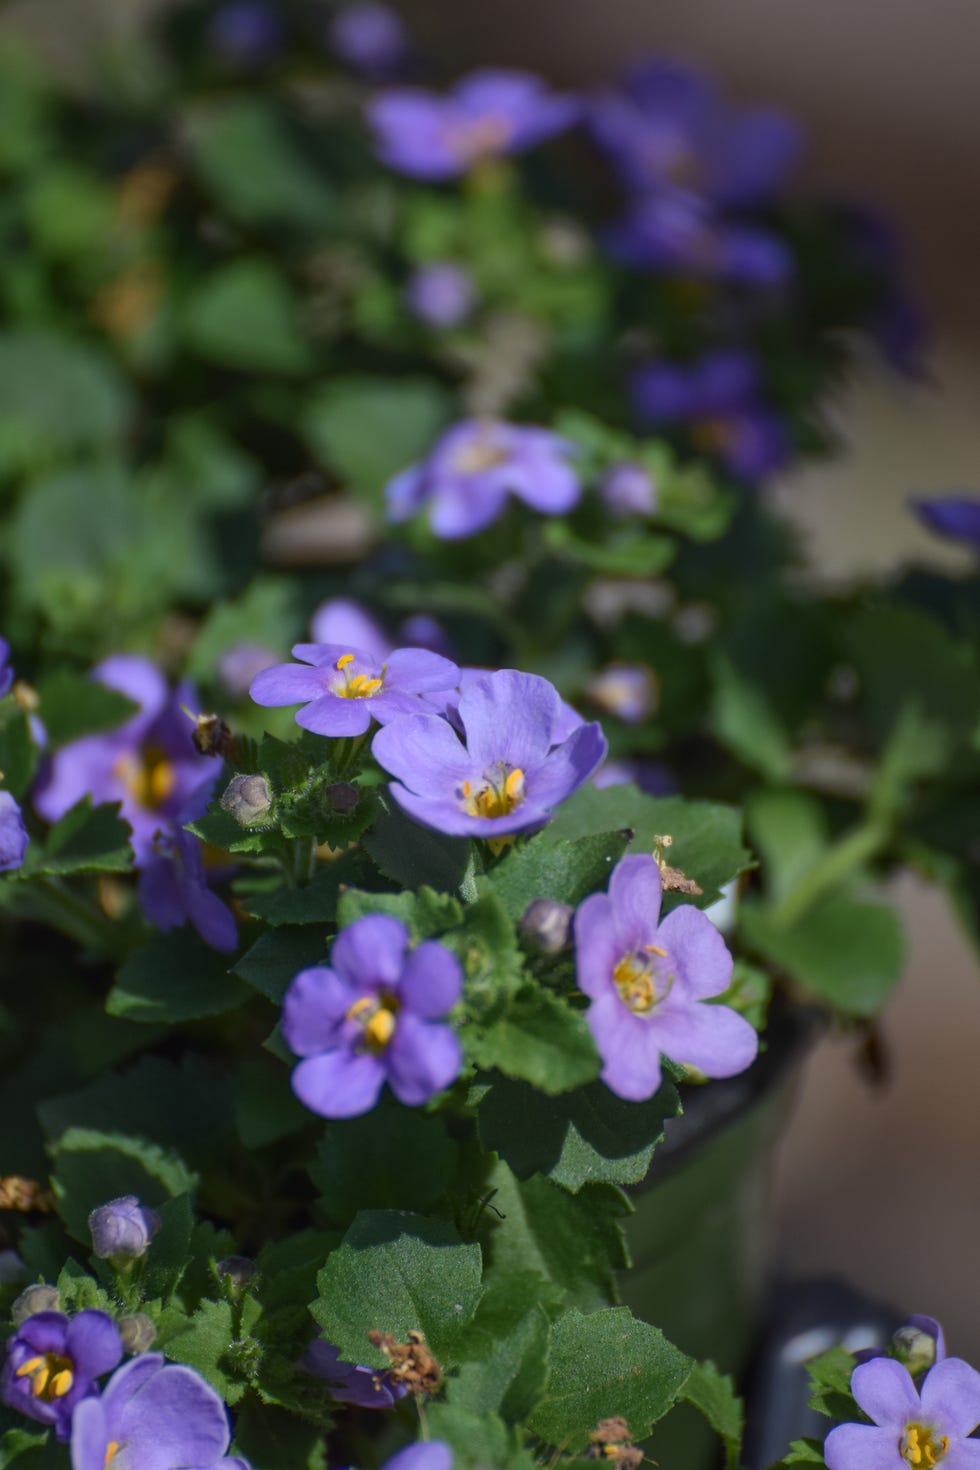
[239,1271]
[914,1347]
[39,1298]
[342,798]
[137,1332]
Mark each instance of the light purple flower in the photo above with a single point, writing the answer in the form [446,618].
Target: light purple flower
[52,1363]
[342,689]
[373,1016]
[628,490]
[6,668]
[681,234]
[13,834]
[955,516]
[918,1344]
[173,889]
[348,1382]
[509,774]
[486,115]
[720,402]
[372,39]
[122,1229]
[628,691]
[434,1455]
[652,777]
[440,294]
[649,983]
[149,764]
[247,32]
[238,666]
[342,620]
[910,1427]
[473,468]
[153,1415]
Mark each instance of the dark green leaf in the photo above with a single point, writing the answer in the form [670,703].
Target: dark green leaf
[564,871]
[425,914]
[275,959]
[87,839]
[91,1167]
[538,1039]
[412,1161]
[505,1350]
[714,1395]
[175,977]
[73,704]
[411,855]
[243,316]
[18,753]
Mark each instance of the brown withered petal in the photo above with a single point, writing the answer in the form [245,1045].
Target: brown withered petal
[411,1363]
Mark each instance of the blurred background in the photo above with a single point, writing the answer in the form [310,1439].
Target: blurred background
[876,1183]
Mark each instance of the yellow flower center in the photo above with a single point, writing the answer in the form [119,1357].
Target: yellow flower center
[640,982]
[495,798]
[111,1451]
[483,138]
[923,1446]
[376,1015]
[149,777]
[355,686]
[51,1375]
[478,455]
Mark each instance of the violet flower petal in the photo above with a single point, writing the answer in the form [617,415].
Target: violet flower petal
[339,1084]
[635,890]
[950,1396]
[314,1008]
[700,958]
[371,952]
[422,1059]
[884,1389]
[863,1447]
[509,716]
[432,980]
[287,684]
[715,1039]
[423,752]
[334,716]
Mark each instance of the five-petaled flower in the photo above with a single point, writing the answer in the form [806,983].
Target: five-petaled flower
[374,1015]
[919,1428]
[649,982]
[52,1363]
[486,115]
[153,1415]
[342,689]
[473,468]
[509,775]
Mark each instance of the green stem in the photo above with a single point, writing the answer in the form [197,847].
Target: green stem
[304,860]
[850,853]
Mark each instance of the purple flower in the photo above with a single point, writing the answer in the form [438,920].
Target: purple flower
[238,666]
[52,1364]
[652,777]
[440,294]
[474,467]
[247,31]
[487,114]
[350,1384]
[918,1344]
[341,620]
[649,983]
[343,689]
[6,668]
[13,834]
[372,40]
[510,772]
[373,1017]
[898,323]
[435,1455]
[628,490]
[719,401]
[173,889]
[910,1427]
[149,764]
[153,1415]
[122,1229]
[629,691]
[955,516]
[682,234]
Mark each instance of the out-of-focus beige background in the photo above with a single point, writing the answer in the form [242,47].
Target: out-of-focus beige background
[883,1187]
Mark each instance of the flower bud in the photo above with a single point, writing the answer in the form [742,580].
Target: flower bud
[122,1229]
[342,797]
[629,490]
[248,798]
[137,1332]
[547,925]
[918,1344]
[39,1298]
[239,1270]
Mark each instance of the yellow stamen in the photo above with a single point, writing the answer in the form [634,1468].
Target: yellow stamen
[110,1451]
[31,1366]
[655,949]
[495,798]
[380,1029]
[149,777]
[638,982]
[477,456]
[922,1446]
[355,686]
[344,660]
[51,1375]
[61,1383]
[377,1018]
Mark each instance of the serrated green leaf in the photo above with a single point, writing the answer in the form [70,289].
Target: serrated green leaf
[412,1162]
[309,903]
[564,871]
[32,1449]
[175,977]
[538,1039]
[505,1351]
[477,1440]
[745,722]
[603,1365]
[486,945]
[91,1167]
[398,1272]
[426,914]
[87,839]
[204,1344]
[830,1383]
[587,1136]
[275,959]
[713,1393]
[415,856]
[167,1257]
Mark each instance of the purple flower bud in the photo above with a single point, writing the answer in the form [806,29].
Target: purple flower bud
[342,797]
[38,1298]
[372,40]
[628,490]
[239,1270]
[13,834]
[122,1229]
[248,798]
[440,294]
[137,1332]
[918,1344]
[547,925]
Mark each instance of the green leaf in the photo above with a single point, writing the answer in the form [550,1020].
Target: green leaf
[588,1136]
[411,855]
[574,1241]
[564,871]
[477,1440]
[271,1438]
[274,960]
[639,554]
[18,753]
[312,903]
[175,977]
[265,1107]
[31,1449]
[87,839]
[707,837]
[167,1258]
[603,1365]
[789,828]
[367,429]
[205,1345]
[398,1272]
[243,316]
[487,948]
[830,1383]
[744,721]
[538,1039]
[413,1161]
[91,1167]
[75,704]
[505,1350]
[57,397]
[804,1452]
[714,1395]
[425,914]
[844,951]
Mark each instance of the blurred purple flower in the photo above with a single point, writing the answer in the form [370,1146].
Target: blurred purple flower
[473,468]
[509,774]
[917,1427]
[719,401]
[440,294]
[372,40]
[628,691]
[173,889]
[153,1415]
[343,689]
[13,834]
[52,1364]
[955,516]
[628,490]
[122,1229]
[918,1344]
[349,1383]
[898,323]
[682,235]
[649,983]
[373,1016]
[487,114]
[238,666]
[652,777]
[431,1455]
[248,32]
[6,668]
